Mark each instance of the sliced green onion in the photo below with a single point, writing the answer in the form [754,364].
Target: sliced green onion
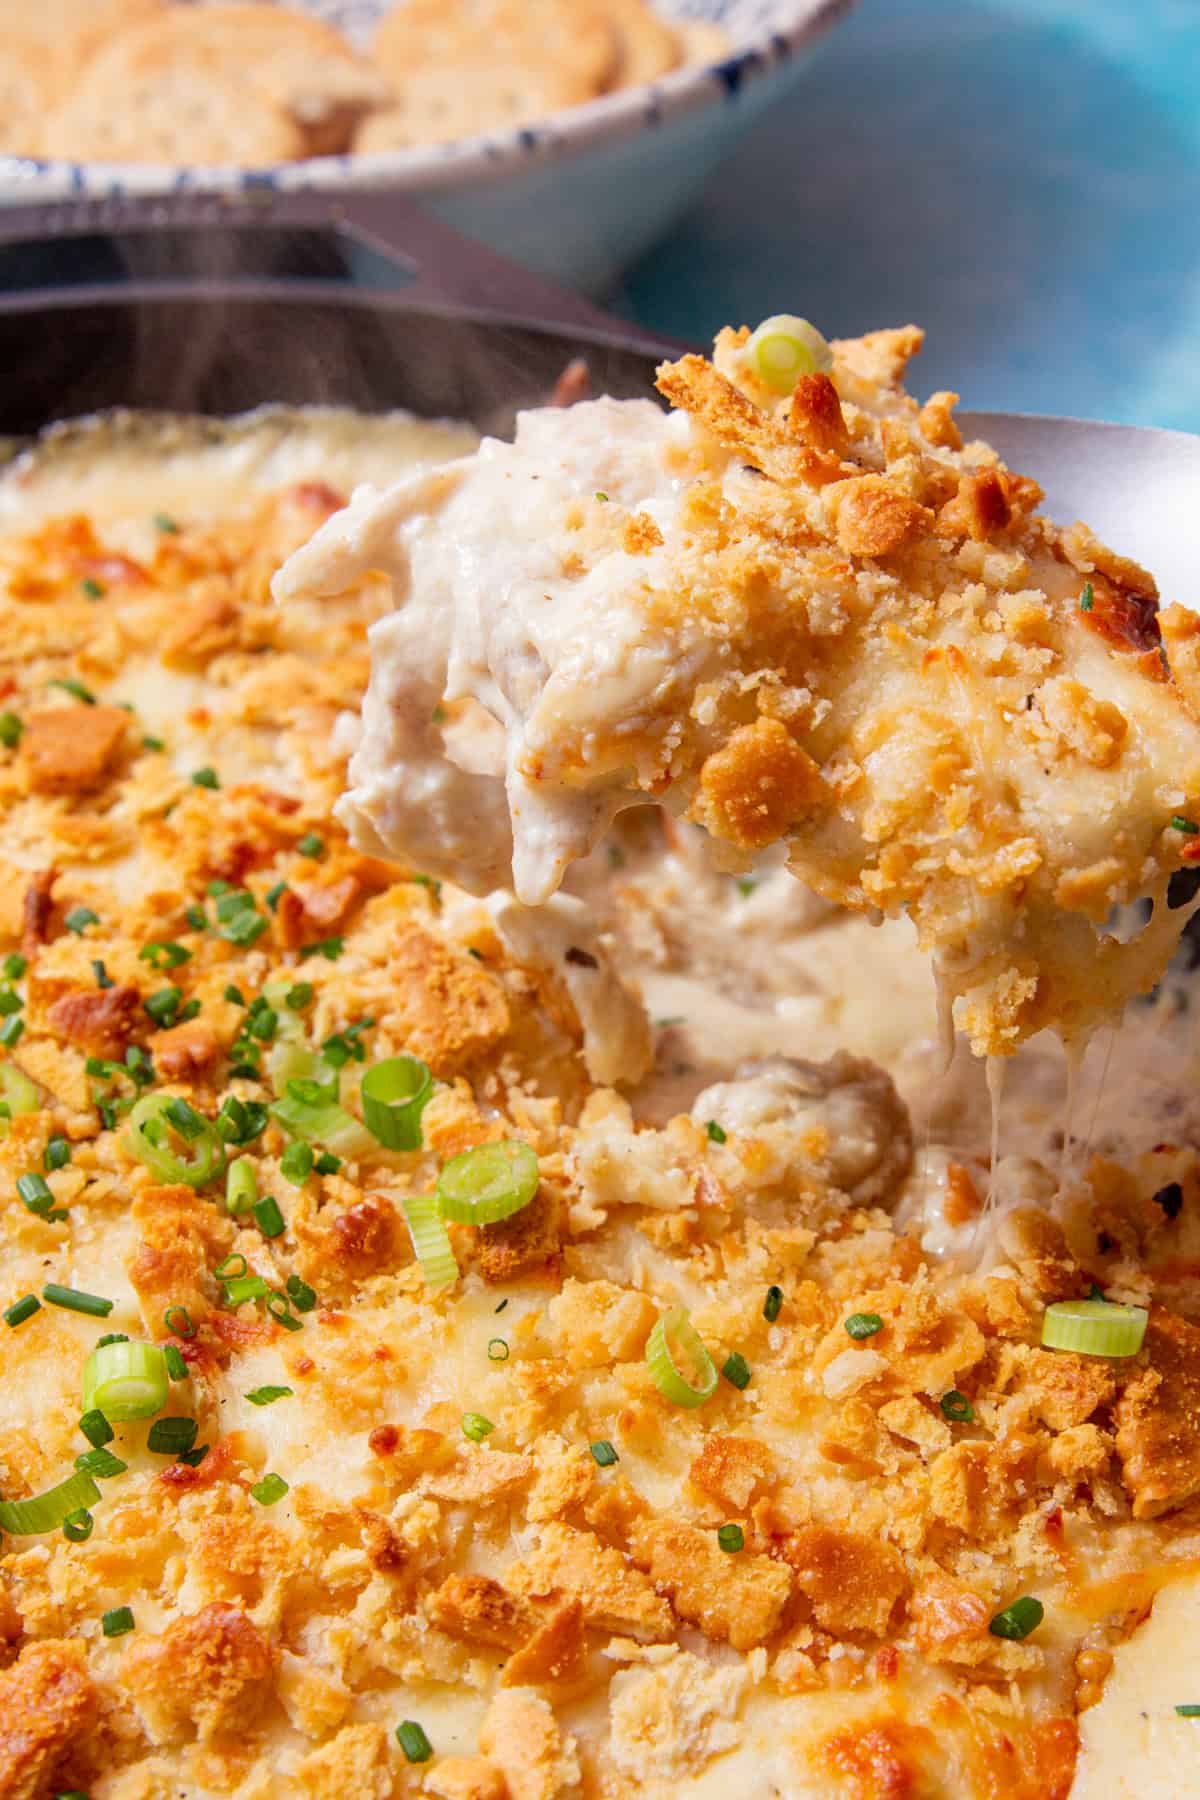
[1086,598]
[716,1133]
[117,1622]
[497,1350]
[34,1190]
[489,1183]
[669,1379]
[264,1396]
[270,1489]
[101,1463]
[1187,826]
[164,954]
[299,996]
[20,1310]
[296,1163]
[231,1266]
[176,1362]
[79,918]
[46,1512]
[14,965]
[57,1154]
[430,1240]
[112,1337]
[76,689]
[9,1002]
[326,1164]
[245,1287]
[193,1458]
[302,1297]
[731,1538]
[268,1216]
[1019,1619]
[956,1406]
[1094,1328]
[1188,1712]
[205,778]
[241,1186]
[310,845]
[476,1427]
[783,348]
[125,1381]
[147,1140]
[772,1304]
[10,1032]
[737,1370]
[75,1300]
[279,1307]
[17,1093]
[864,1325]
[168,1437]
[11,728]
[330,948]
[604,1453]
[77,1529]
[412,1740]
[394,1095]
[241,1121]
[179,1320]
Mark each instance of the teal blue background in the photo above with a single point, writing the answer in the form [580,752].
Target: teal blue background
[1023,179]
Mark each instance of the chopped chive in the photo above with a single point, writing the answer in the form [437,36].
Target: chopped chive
[296,1163]
[731,1538]
[153,743]
[205,778]
[170,1436]
[502,1305]
[20,1310]
[11,1031]
[164,954]
[270,1489]
[79,918]
[1086,598]
[956,1406]
[103,978]
[497,1350]
[330,948]
[178,1320]
[327,1163]
[96,1428]
[302,1297]
[10,730]
[165,523]
[1019,1619]
[772,1304]
[162,1005]
[412,1740]
[75,1300]
[177,1368]
[864,1325]
[270,1219]
[93,589]
[117,1622]
[737,1370]
[476,1427]
[100,1463]
[264,1396]
[77,1529]
[1179,823]
[15,966]
[717,1134]
[75,688]
[310,845]
[604,1453]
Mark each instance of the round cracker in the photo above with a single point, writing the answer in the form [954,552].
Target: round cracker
[65,34]
[648,46]
[540,48]
[300,63]
[157,98]
[24,97]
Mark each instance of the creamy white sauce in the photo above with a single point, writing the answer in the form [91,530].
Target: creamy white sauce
[1133,1743]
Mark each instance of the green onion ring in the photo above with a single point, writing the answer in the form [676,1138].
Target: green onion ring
[669,1379]
[430,1240]
[394,1095]
[46,1512]
[488,1183]
[1094,1328]
[17,1095]
[783,348]
[206,1152]
[125,1381]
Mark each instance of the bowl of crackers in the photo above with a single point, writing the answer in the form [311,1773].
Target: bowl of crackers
[566,132]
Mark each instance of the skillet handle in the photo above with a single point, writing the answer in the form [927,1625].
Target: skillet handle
[433,267]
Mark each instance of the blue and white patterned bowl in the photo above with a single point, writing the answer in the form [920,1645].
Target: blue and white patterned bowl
[576,198]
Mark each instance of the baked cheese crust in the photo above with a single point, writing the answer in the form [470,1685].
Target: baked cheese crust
[562,1627]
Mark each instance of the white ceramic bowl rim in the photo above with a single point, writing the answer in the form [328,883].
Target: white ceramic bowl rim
[473,160]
